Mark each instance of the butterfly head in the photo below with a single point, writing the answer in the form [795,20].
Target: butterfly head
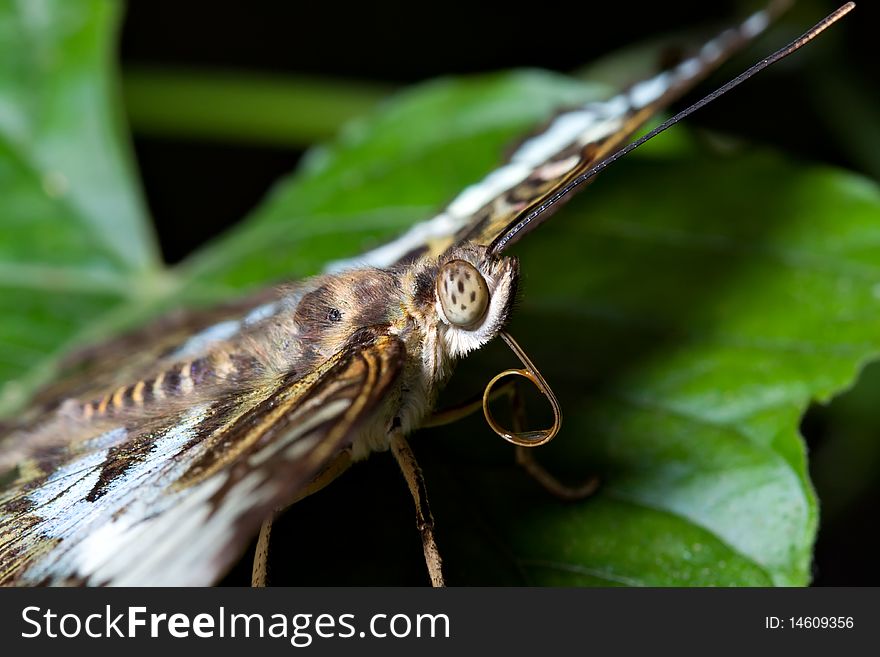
[474,293]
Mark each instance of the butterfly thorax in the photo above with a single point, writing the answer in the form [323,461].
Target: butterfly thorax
[407,302]
[431,290]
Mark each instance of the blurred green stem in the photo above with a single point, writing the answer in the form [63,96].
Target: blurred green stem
[242,106]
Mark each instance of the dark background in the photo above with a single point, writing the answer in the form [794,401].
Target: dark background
[818,105]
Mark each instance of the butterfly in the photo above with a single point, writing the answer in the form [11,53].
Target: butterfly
[162,453]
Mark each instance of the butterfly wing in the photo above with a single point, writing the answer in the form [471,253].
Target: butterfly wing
[175,502]
[568,146]
[92,370]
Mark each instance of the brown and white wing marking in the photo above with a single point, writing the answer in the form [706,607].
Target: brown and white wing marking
[92,371]
[175,503]
[571,143]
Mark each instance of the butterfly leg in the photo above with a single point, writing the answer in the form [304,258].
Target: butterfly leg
[464,409]
[525,458]
[406,459]
[260,570]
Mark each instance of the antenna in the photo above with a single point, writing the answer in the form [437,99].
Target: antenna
[510,236]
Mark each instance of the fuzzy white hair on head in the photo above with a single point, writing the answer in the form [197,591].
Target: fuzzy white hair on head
[500,275]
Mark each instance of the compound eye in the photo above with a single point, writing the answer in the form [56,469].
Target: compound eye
[462,292]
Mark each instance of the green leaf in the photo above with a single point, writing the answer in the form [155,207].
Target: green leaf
[686,337]
[686,309]
[76,239]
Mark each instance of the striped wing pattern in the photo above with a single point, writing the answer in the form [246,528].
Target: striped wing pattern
[176,504]
[93,370]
